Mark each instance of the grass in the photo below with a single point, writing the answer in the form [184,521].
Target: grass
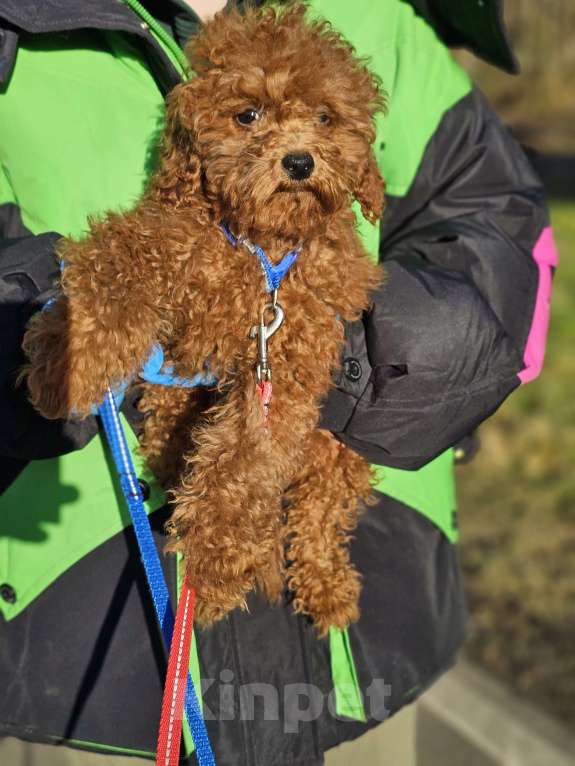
[517,502]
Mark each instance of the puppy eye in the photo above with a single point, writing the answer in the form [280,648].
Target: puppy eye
[248,116]
[325,118]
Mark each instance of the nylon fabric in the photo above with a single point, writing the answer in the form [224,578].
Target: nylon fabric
[411,623]
[8,48]
[546,257]
[6,191]
[154,371]
[87,148]
[348,696]
[134,500]
[167,42]
[11,224]
[169,737]
[412,608]
[479,26]
[430,490]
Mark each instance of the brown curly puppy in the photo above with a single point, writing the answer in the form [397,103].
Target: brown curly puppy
[273,136]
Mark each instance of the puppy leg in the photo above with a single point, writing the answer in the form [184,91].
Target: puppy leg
[324,503]
[170,414]
[100,331]
[271,576]
[227,508]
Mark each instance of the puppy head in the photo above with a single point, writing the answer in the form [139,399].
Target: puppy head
[276,128]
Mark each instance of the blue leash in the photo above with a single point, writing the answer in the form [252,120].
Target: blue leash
[151,561]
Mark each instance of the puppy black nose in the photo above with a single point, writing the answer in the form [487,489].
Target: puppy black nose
[298,166]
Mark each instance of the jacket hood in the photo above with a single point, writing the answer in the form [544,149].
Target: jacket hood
[478,26]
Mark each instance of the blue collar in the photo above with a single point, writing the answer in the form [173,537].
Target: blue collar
[273,274]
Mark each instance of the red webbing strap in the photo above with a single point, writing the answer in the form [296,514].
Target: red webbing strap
[264,390]
[168,752]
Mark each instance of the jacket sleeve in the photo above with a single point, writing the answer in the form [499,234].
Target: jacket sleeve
[461,319]
[28,271]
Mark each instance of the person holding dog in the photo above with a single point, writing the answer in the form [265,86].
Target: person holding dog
[456,327]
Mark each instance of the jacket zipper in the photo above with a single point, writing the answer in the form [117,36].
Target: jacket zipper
[171,46]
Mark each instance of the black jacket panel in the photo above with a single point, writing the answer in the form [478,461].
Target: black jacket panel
[28,273]
[8,48]
[443,344]
[11,225]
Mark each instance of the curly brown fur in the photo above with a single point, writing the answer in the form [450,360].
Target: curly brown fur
[166,273]
[324,501]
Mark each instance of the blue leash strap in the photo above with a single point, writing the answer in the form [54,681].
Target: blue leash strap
[151,561]
[273,274]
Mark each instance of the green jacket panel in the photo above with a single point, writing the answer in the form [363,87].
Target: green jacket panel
[58,511]
[100,111]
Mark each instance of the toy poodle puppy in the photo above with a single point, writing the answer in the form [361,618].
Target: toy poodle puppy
[268,144]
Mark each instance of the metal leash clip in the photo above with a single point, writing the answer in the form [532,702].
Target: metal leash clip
[263,332]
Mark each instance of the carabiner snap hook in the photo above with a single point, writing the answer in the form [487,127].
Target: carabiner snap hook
[277,321]
[263,332]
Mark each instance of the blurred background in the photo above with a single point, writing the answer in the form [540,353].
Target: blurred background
[517,497]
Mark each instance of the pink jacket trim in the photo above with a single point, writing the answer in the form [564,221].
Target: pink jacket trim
[545,256]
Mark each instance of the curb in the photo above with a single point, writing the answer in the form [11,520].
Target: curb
[491,724]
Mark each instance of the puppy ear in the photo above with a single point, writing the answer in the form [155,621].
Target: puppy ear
[178,180]
[370,190]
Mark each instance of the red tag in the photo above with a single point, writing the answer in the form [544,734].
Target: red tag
[264,390]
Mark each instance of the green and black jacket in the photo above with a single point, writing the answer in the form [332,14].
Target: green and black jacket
[459,324]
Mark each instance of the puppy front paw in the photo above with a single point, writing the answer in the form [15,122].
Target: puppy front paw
[58,385]
[46,349]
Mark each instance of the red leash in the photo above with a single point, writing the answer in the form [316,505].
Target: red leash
[168,752]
